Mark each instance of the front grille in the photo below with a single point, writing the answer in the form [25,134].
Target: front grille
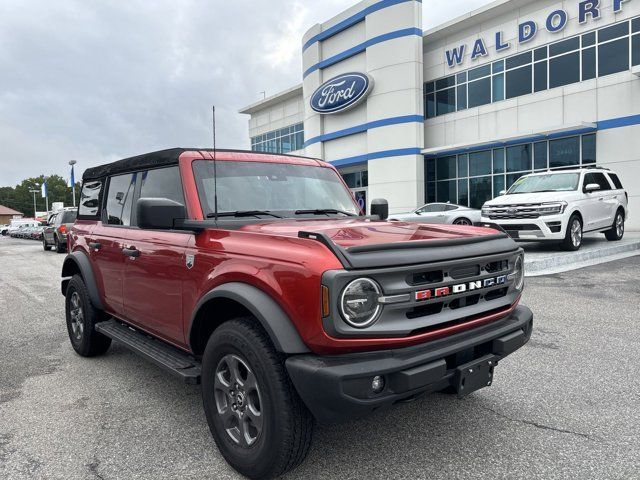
[498,266]
[425,278]
[509,212]
[465,271]
[415,297]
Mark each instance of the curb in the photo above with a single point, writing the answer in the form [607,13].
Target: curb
[571,261]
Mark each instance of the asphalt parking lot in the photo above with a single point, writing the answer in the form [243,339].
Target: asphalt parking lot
[565,406]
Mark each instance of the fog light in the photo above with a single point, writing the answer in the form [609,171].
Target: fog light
[377,385]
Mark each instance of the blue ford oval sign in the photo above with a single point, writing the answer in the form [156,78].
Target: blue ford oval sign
[341,93]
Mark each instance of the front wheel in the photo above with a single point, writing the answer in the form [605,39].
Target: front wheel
[617,229]
[573,237]
[259,423]
[45,245]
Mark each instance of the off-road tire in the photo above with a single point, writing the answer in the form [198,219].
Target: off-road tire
[60,247]
[45,245]
[287,427]
[568,242]
[617,229]
[89,343]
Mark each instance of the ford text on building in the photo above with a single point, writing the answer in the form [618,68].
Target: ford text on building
[460,112]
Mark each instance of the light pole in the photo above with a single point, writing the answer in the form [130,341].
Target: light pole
[73,181]
[34,199]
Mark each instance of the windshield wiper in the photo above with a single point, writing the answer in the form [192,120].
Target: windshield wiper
[324,211]
[243,213]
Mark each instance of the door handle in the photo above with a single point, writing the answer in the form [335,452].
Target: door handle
[95,245]
[601,199]
[132,252]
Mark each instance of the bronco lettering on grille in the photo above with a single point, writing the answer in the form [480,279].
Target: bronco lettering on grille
[460,288]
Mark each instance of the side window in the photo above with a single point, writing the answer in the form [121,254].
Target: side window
[616,181]
[438,207]
[69,216]
[120,199]
[90,199]
[598,178]
[451,207]
[162,183]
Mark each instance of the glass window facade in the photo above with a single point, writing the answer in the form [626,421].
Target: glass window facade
[594,54]
[284,140]
[473,178]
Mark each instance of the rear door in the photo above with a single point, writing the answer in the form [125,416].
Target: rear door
[433,213]
[600,201]
[109,238]
[153,277]
[49,228]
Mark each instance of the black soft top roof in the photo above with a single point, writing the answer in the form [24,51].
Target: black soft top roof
[139,162]
[157,159]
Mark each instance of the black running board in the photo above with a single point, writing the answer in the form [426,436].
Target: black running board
[165,356]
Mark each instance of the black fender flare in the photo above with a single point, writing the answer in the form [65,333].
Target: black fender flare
[83,264]
[273,319]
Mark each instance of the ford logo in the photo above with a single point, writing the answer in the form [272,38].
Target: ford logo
[341,93]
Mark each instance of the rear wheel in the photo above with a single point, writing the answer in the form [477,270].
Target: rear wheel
[81,319]
[60,247]
[573,237]
[259,423]
[462,221]
[617,229]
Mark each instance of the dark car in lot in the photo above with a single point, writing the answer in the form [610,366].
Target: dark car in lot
[55,232]
[256,275]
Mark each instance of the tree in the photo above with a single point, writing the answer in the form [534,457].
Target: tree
[20,197]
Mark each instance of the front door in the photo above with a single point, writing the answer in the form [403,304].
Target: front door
[156,264]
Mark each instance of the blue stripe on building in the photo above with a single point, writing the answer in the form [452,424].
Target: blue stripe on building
[352,20]
[405,32]
[364,127]
[343,162]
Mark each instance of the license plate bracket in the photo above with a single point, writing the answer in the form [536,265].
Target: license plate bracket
[475,375]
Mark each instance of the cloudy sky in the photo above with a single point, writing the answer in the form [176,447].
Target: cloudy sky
[104,79]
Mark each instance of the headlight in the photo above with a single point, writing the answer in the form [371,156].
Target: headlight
[518,273]
[359,304]
[552,208]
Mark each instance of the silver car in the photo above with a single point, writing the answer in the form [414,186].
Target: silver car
[440,213]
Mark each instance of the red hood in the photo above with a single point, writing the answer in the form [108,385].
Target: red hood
[352,232]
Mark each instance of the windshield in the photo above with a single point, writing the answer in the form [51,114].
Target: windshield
[556,182]
[279,188]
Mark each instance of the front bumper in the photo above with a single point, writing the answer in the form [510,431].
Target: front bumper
[548,227]
[338,388]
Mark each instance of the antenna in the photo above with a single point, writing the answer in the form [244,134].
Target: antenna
[215,172]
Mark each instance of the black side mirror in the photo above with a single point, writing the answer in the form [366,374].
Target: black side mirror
[380,207]
[159,213]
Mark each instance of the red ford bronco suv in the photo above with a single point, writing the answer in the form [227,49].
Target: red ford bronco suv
[257,276]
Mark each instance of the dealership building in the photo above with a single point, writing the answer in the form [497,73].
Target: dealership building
[459,112]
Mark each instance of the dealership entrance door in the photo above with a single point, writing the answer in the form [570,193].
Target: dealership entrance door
[357,179]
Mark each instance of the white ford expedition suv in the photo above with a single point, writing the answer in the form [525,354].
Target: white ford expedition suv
[561,206]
